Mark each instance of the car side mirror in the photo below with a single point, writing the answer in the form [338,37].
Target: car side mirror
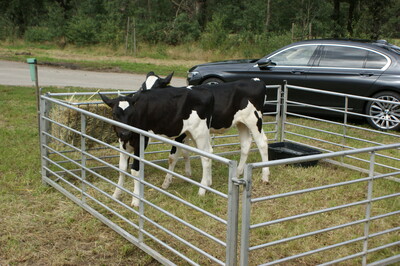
[264,63]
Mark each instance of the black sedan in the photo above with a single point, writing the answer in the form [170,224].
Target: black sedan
[363,68]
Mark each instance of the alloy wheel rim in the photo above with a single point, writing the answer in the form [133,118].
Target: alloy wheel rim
[385,115]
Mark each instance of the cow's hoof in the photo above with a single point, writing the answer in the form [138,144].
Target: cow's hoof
[135,202]
[202,192]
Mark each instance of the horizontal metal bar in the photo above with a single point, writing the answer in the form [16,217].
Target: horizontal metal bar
[324,156]
[344,125]
[292,238]
[63,94]
[387,261]
[314,251]
[297,192]
[306,214]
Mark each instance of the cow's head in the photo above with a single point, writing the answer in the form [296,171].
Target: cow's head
[153,81]
[122,111]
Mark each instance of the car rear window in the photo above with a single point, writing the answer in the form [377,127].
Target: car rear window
[375,61]
[343,57]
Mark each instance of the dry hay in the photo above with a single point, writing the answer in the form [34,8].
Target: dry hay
[94,127]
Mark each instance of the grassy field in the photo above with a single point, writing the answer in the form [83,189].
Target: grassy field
[39,226]
[161,59]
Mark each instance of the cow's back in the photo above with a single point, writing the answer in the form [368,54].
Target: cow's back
[234,96]
[163,111]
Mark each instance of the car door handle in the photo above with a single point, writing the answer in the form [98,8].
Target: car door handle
[297,72]
[366,74]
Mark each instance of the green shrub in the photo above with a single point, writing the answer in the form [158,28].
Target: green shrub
[183,30]
[215,36]
[38,34]
[82,30]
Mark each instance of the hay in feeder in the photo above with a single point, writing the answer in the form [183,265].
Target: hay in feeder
[95,128]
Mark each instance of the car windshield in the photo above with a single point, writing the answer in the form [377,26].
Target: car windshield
[294,56]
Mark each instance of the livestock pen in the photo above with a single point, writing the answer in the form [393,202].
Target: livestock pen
[342,205]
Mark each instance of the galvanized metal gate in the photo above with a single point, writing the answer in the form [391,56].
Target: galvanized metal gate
[176,225]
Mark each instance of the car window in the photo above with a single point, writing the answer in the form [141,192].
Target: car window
[295,56]
[343,57]
[375,61]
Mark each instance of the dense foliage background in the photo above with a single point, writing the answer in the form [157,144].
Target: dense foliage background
[213,24]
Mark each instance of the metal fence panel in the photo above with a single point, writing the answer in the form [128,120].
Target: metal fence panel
[345,208]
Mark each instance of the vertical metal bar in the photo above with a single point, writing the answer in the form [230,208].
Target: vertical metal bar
[278,117]
[346,109]
[141,187]
[43,140]
[83,157]
[233,210]
[284,110]
[246,207]
[368,207]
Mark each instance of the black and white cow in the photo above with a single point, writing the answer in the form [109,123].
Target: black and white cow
[171,113]
[237,104]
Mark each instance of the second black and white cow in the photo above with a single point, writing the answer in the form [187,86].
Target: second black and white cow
[237,104]
[171,113]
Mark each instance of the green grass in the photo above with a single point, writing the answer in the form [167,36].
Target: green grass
[102,58]
[42,227]
[39,226]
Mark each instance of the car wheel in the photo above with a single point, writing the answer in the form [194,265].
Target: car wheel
[212,81]
[379,111]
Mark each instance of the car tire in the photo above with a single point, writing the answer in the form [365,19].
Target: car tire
[212,81]
[380,111]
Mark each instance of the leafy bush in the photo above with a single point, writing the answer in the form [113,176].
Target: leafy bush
[183,30]
[38,34]
[215,35]
[82,30]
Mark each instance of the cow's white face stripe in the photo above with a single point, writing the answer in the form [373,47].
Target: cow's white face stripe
[123,105]
[150,82]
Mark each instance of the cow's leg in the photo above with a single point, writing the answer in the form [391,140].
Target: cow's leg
[245,145]
[173,159]
[135,169]
[254,123]
[201,136]
[123,165]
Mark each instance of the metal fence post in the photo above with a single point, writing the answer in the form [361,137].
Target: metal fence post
[141,187]
[83,156]
[43,140]
[278,117]
[246,207]
[368,207]
[284,111]
[233,210]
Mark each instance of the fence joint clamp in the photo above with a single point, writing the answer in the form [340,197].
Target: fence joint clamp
[239,182]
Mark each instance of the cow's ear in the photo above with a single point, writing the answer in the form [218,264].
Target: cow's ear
[107,100]
[151,73]
[167,80]
[143,87]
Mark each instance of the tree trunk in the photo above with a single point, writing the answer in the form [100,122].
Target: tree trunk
[336,19]
[267,15]
[350,18]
